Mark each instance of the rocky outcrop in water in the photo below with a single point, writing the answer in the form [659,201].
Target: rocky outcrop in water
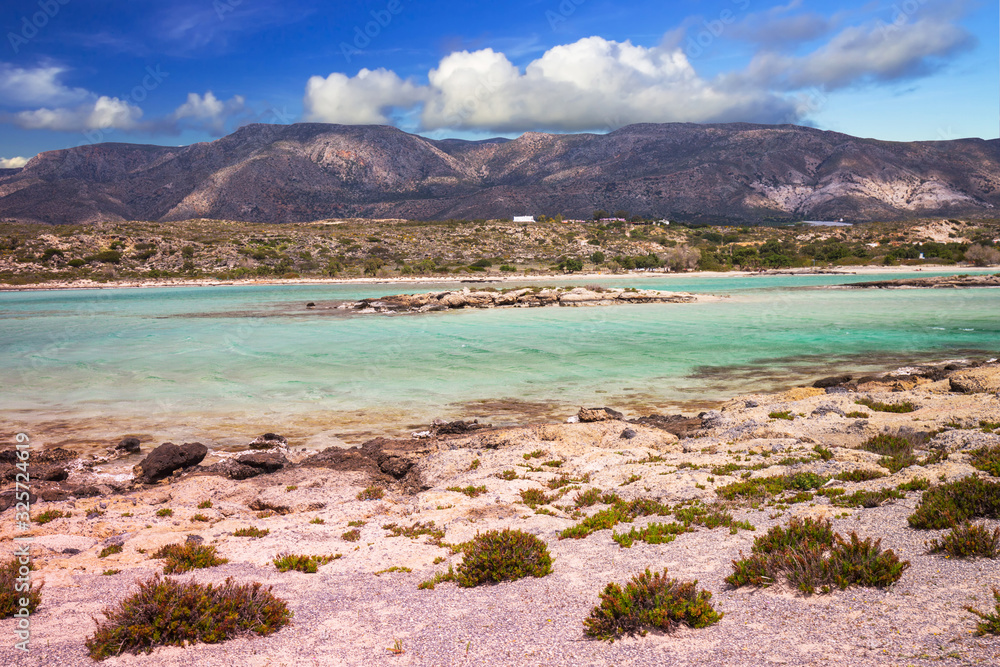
[931,282]
[518,298]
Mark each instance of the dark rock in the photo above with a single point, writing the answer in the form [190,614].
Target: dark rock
[69,551]
[88,491]
[711,419]
[310,305]
[338,458]
[827,408]
[168,458]
[628,434]
[458,427]
[194,539]
[750,403]
[43,473]
[53,494]
[269,441]
[679,425]
[250,465]
[598,414]
[7,499]
[128,445]
[832,381]
[838,390]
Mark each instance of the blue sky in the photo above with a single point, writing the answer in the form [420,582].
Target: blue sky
[74,72]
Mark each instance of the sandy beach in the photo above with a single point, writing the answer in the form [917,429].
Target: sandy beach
[352,610]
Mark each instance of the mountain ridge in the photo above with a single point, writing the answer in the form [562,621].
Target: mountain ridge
[310,171]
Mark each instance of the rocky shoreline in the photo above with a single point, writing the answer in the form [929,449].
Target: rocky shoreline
[527,297]
[939,282]
[462,478]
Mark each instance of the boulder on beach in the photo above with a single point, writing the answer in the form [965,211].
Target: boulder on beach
[982,380]
[128,446]
[587,415]
[168,458]
[250,464]
[269,441]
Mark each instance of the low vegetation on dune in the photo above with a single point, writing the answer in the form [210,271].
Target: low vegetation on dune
[166,612]
[355,248]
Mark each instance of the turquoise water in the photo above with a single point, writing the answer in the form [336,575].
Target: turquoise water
[244,358]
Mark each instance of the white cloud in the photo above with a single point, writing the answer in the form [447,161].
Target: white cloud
[208,111]
[36,86]
[364,99]
[879,52]
[12,162]
[592,84]
[104,113]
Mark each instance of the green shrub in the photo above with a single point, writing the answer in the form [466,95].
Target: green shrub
[968,540]
[888,445]
[352,535]
[165,612]
[109,550]
[859,475]
[251,532]
[188,556]
[810,556]
[991,620]
[166,511]
[987,459]
[416,530]
[771,486]
[905,406]
[199,517]
[502,555]
[783,414]
[947,505]
[10,598]
[917,484]
[50,515]
[857,414]
[868,498]
[371,493]
[649,601]
[307,564]
[654,533]
[205,504]
[471,491]
[587,498]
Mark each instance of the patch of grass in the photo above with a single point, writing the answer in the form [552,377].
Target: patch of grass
[371,493]
[968,540]
[566,480]
[250,532]
[205,504]
[508,475]
[859,475]
[351,536]
[109,550]
[783,414]
[649,601]
[537,454]
[188,556]
[989,427]
[990,620]
[199,517]
[317,520]
[50,515]
[600,521]
[587,498]
[762,487]
[290,488]
[301,563]
[810,555]
[898,408]
[474,465]
[631,479]
[888,445]
[165,612]
[10,598]
[654,533]
[917,484]
[416,530]
[357,523]
[868,498]
[394,568]
[437,578]
[534,497]
[471,491]
[552,464]
[164,511]
[110,572]
[986,459]
[502,555]
[857,414]
[824,453]
[948,505]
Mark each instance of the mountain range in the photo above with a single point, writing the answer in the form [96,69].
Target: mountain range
[733,172]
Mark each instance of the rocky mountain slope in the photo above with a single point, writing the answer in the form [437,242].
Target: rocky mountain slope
[302,172]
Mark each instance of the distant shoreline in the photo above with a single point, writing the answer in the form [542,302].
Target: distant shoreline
[214,282]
